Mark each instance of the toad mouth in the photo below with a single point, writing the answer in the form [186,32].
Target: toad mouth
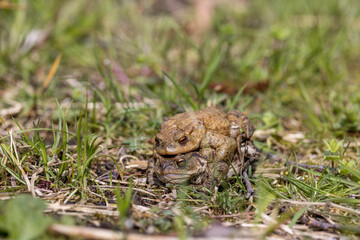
[174,177]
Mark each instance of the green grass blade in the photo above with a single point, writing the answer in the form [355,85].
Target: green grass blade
[182,91]
[211,70]
[236,99]
[296,217]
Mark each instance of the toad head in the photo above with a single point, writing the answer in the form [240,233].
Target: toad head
[176,137]
[180,168]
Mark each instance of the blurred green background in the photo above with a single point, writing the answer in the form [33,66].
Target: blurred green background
[292,65]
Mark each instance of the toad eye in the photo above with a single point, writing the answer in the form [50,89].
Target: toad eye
[183,140]
[180,162]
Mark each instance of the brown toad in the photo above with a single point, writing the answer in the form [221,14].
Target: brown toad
[200,167]
[209,127]
[198,146]
[190,167]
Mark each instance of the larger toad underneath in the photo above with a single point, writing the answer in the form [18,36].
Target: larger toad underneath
[197,147]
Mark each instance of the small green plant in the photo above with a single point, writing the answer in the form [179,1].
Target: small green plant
[88,148]
[123,204]
[230,202]
[334,152]
[264,199]
[271,121]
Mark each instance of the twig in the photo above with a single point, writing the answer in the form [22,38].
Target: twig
[102,234]
[249,187]
[231,215]
[85,232]
[306,234]
[327,204]
[270,170]
[317,168]
[317,224]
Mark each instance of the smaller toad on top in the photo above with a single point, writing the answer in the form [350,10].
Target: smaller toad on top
[209,127]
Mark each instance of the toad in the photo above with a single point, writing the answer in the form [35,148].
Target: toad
[197,147]
[209,127]
[190,167]
[200,167]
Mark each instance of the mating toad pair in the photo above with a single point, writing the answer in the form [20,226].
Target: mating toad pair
[199,147]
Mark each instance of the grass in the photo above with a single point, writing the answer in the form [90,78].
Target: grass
[85,85]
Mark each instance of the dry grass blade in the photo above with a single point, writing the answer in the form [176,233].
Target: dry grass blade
[326,204]
[51,74]
[15,159]
[104,234]
[5,4]
[267,219]
[85,232]
[70,196]
[87,210]
[122,187]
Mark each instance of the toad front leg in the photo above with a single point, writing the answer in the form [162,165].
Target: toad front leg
[150,172]
[241,126]
[224,146]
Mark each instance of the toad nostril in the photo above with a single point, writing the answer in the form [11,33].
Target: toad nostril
[170,149]
[157,142]
[164,165]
